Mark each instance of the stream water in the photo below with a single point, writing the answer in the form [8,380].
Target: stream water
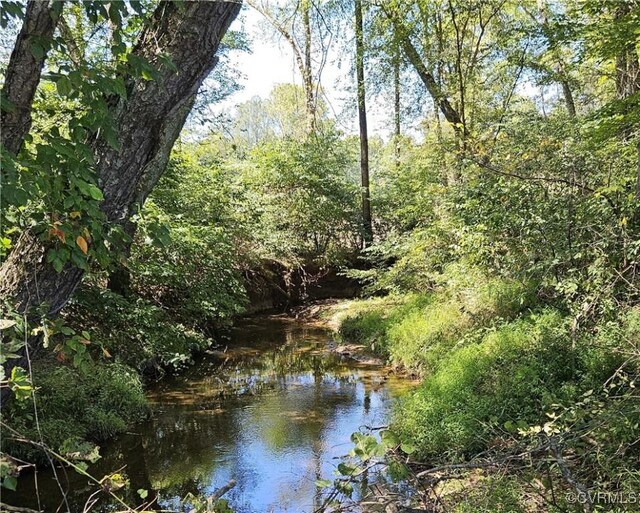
[274,410]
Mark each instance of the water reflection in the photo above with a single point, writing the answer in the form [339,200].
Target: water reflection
[273,410]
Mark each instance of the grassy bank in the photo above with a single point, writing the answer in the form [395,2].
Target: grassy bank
[502,374]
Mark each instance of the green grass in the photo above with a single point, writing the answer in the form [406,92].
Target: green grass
[418,331]
[512,375]
[367,321]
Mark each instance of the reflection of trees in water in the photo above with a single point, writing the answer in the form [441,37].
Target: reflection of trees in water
[187,446]
[182,446]
[280,391]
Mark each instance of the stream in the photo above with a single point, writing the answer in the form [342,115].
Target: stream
[274,410]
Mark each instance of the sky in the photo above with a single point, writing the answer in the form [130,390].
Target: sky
[271,62]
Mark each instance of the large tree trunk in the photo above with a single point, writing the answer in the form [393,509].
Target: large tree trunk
[120,278]
[362,119]
[24,70]
[189,34]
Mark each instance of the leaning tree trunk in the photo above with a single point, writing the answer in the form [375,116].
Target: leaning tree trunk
[188,34]
[450,113]
[24,69]
[120,278]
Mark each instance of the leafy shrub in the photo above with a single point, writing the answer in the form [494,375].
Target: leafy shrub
[76,405]
[616,345]
[486,297]
[134,331]
[305,198]
[195,275]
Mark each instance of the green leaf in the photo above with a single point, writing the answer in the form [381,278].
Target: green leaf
[95,193]
[323,483]
[37,50]
[348,469]
[143,493]
[408,448]
[63,85]
[10,483]
[58,265]
[389,439]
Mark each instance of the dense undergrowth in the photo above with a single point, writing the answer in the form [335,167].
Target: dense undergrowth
[503,373]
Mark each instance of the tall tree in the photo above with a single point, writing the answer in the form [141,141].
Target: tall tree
[180,42]
[362,122]
[294,23]
[396,103]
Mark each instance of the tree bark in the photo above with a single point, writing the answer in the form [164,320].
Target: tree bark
[189,34]
[367,227]
[24,70]
[568,98]
[307,74]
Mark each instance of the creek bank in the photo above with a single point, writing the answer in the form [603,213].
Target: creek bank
[134,341]
[275,287]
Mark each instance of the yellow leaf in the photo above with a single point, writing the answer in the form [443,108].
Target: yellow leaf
[82,244]
[106,353]
[75,214]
